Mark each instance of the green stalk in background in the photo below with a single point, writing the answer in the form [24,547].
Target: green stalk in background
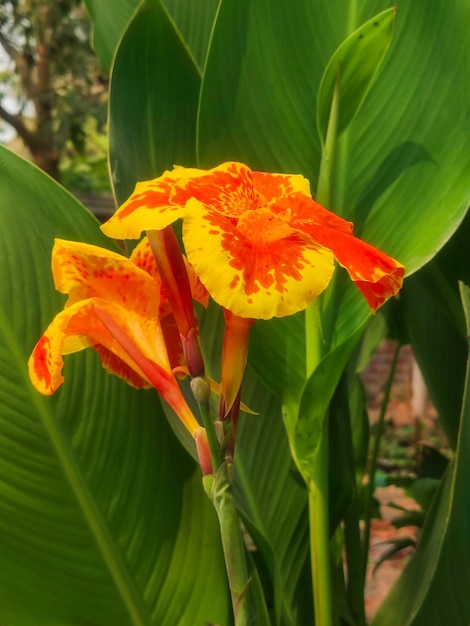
[317,484]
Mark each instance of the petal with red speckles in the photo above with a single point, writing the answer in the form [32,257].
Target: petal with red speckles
[259,243]
[258,267]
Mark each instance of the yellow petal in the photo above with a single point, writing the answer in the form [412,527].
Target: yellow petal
[157,203]
[153,205]
[77,327]
[258,267]
[86,271]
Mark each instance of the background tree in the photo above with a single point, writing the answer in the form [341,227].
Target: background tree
[54,77]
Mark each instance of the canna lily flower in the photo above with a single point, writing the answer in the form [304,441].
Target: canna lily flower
[258,242]
[115,305]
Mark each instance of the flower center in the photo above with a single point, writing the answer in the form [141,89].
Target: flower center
[262,226]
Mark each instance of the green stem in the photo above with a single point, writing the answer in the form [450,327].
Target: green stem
[325,176]
[369,494]
[233,546]
[319,534]
[317,481]
[313,336]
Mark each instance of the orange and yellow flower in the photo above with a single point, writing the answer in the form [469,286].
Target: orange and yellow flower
[115,305]
[258,242]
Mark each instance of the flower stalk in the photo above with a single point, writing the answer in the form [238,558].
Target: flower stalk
[317,483]
[233,547]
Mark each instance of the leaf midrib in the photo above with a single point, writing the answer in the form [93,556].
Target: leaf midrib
[110,552]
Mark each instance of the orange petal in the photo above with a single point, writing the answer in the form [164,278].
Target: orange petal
[86,271]
[149,207]
[155,371]
[155,204]
[142,256]
[77,327]
[203,450]
[227,189]
[115,365]
[168,257]
[273,187]
[258,267]
[377,275]
[306,215]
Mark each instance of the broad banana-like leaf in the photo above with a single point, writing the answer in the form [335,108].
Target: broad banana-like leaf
[110,19]
[109,22]
[155,90]
[433,589]
[153,100]
[353,68]
[194,21]
[102,516]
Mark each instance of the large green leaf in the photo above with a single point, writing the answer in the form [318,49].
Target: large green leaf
[433,589]
[273,504]
[353,68]
[154,91]
[111,17]
[194,21]
[153,100]
[102,516]
[109,22]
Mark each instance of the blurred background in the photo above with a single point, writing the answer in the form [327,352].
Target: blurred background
[54,95]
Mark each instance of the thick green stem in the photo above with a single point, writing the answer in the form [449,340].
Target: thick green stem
[234,547]
[319,534]
[374,455]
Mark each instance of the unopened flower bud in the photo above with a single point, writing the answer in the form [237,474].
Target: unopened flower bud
[193,353]
[201,390]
